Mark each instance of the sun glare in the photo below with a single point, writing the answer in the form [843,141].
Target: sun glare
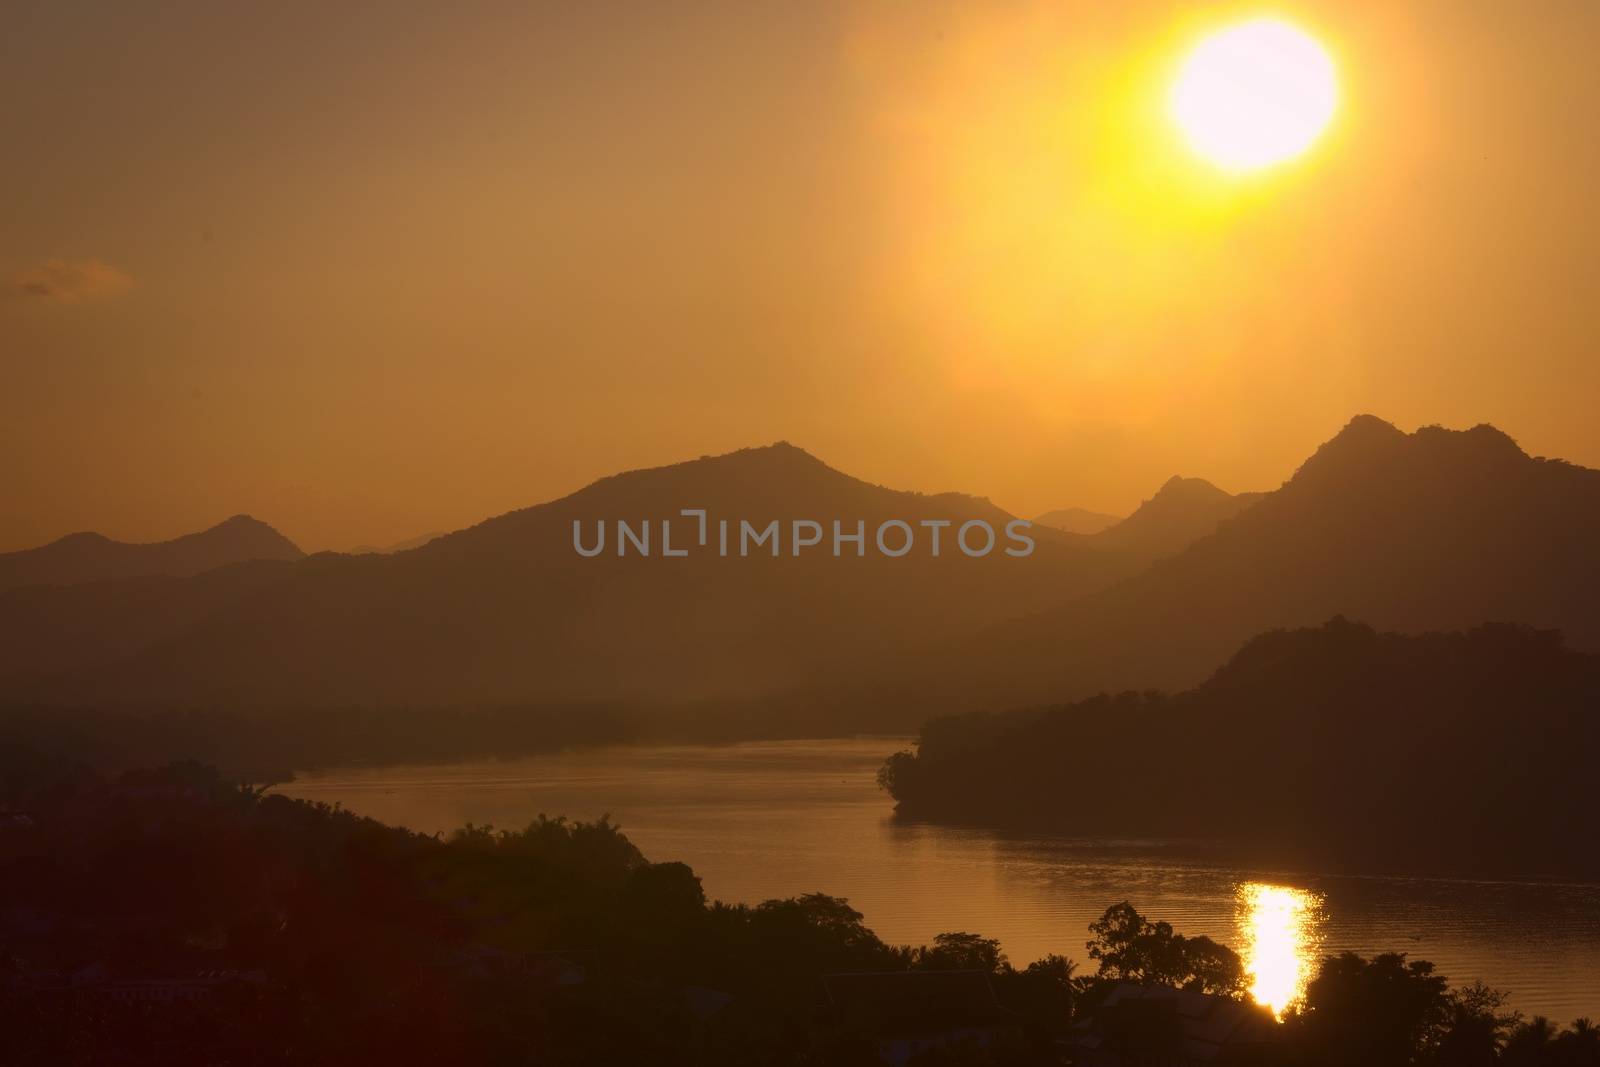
[1282,939]
[1255,94]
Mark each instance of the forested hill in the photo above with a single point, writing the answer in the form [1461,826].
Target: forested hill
[1432,530]
[1470,751]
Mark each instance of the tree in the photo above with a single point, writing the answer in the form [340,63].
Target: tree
[898,773]
[1475,1028]
[660,903]
[1530,1042]
[1385,1012]
[1537,1043]
[1132,949]
[963,952]
[814,933]
[1042,990]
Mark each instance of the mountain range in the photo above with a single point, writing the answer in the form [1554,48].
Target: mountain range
[1433,530]
[507,611]
[1077,520]
[1334,744]
[91,557]
[399,546]
[1436,529]
[1182,511]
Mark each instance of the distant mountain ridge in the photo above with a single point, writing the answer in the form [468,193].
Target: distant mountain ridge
[1182,511]
[1380,751]
[506,611]
[1077,520]
[399,546]
[92,557]
[1432,530]
[1437,529]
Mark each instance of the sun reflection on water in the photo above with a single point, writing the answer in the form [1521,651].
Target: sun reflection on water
[1281,930]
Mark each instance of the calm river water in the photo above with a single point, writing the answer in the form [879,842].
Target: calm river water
[771,819]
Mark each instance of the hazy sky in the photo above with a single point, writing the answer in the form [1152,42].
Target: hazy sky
[369,270]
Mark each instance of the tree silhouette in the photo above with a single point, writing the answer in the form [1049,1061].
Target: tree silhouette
[1131,948]
[964,952]
[1384,1012]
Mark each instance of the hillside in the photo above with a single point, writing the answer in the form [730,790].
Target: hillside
[507,611]
[399,546]
[1182,511]
[1437,529]
[1468,751]
[91,557]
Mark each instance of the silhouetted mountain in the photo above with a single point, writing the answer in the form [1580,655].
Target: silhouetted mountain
[1182,511]
[1431,530]
[90,557]
[507,611]
[1437,529]
[1471,751]
[1077,520]
[399,546]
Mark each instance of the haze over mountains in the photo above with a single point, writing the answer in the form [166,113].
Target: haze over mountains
[1077,520]
[1182,511]
[399,546]
[1431,530]
[1370,750]
[92,557]
[507,611]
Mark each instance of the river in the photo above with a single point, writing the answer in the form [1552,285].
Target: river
[775,819]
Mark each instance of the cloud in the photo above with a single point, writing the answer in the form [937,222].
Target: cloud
[67,282]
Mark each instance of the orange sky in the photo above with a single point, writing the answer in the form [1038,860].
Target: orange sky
[366,274]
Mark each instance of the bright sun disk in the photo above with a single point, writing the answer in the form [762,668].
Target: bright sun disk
[1255,94]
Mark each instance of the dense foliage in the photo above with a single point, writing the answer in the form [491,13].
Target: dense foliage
[331,939]
[1129,947]
[1332,745]
[366,943]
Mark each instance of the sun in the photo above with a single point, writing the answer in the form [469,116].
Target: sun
[1255,94]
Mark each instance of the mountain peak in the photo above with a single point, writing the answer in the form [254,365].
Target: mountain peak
[1365,425]
[82,537]
[89,556]
[1182,511]
[1365,441]
[1178,488]
[242,521]
[760,482]
[1369,446]
[251,537]
[777,451]
[1482,440]
[777,464]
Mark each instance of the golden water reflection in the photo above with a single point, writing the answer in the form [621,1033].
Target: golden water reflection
[1281,929]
